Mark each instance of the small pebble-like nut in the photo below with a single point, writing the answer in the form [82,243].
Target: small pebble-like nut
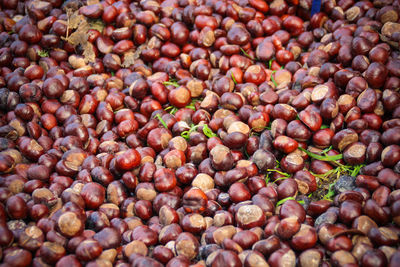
[344,138]
[93,194]
[224,257]
[249,216]
[359,249]
[383,236]
[51,252]
[285,144]
[108,255]
[264,159]
[341,258]
[187,245]
[44,196]
[17,257]
[168,215]
[221,158]
[194,223]
[108,238]
[288,227]
[292,208]
[31,238]
[267,246]
[135,246]
[194,200]
[88,250]
[374,257]
[283,257]
[305,238]
[389,28]
[354,154]
[227,231]
[238,126]
[128,160]
[174,159]
[255,258]
[229,244]
[388,251]
[146,191]
[69,225]
[16,207]
[349,210]
[310,258]
[7,163]
[203,181]
[390,155]
[364,223]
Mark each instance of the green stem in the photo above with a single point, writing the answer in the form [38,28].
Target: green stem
[281,173]
[273,80]
[323,158]
[171,83]
[246,54]
[270,63]
[158,116]
[280,202]
[208,132]
[233,78]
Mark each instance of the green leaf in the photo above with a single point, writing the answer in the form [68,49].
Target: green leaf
[171,109]
[158,116]
[324,126]
[171,83]
[186,134]
[112,73]
[43,53]
[191,106]
[278,163]
[174,110]
[280,202]
[323,158]
[284,174]
[281,178]
[280,172]
[326,150]
[233,78]
[270,63]
[273,80]
[246,154]
[357,169]
[246,54]
[331,193]
[326,174]
[267,178]
[301,202]
[208,132]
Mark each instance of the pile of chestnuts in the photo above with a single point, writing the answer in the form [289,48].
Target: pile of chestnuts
[199,133]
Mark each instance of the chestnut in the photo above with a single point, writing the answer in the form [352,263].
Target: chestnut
[174,133]
[194,200]
[52,252]
[93,194]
